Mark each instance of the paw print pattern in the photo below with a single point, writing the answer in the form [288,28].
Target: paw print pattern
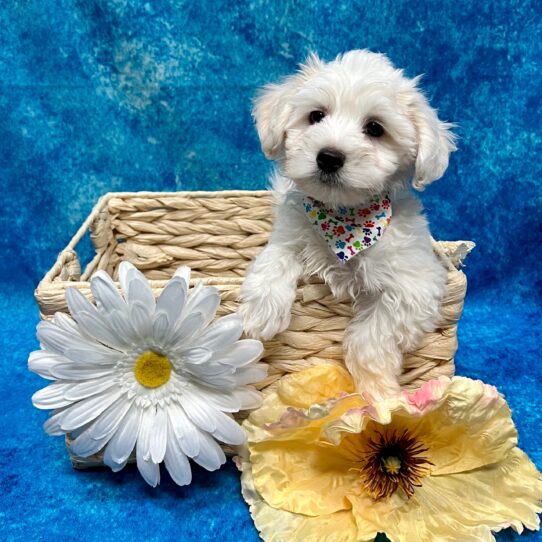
[349,230]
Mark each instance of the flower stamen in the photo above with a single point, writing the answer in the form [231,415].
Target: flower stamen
[152,370]
[393,461]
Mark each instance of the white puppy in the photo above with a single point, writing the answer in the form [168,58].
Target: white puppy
[348,136]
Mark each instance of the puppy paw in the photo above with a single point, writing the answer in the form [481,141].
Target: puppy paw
[263,318]
[377,387]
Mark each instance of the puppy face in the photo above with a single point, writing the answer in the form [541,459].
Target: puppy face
[351,128]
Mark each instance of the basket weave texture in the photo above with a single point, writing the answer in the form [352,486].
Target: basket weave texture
[218,234]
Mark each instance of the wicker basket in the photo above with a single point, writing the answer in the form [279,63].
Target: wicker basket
[218,234]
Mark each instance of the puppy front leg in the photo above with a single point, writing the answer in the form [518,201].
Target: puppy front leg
[372,353]
[269,290]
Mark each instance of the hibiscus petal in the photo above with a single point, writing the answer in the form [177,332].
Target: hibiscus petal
[461,507]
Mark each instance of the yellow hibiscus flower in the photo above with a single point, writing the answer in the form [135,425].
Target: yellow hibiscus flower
[437,465]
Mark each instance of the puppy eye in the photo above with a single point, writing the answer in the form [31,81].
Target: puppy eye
[316,116]
[374,129]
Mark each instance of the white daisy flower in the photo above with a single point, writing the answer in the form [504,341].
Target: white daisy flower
[154,375]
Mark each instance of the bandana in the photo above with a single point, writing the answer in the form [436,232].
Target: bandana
[349,230]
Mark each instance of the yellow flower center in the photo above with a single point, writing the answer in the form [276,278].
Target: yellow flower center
[391,464]
[152,370]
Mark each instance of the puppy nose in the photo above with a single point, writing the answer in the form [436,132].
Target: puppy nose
[330,160]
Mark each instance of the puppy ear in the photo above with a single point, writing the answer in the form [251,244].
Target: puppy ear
[435,143]
[272,107]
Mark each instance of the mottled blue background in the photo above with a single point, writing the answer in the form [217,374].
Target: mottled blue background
[125,95]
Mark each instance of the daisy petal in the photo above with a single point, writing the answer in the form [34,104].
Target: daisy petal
[196,355]
[56,339]
[172,299]
[41,361]
[198,412]
[87,410]
[64,322]
[241,353]
[141,320]
[75,371]
[149,471]
[52,427]
[89,320]
[204,299]
[222,333]
[224,401]
[228,430]
[122,327]
[185,431]
[84,445]
[52,396]
[183,272]
[85,389]
[106,293]
[160,327]
[249,398]
[124,269]
[250,375]
[210,456]
[108,421]
[139,291]
[145,434]
[181,333]
[207,304]
[123,441]
[159,438]
[176,462]
[210,419]
[115,467]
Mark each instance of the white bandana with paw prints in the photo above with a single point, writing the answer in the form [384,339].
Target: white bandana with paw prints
[349,230]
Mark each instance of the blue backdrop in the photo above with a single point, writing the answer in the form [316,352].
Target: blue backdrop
[126,95]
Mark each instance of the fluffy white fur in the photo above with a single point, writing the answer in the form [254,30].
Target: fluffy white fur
[397,284]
